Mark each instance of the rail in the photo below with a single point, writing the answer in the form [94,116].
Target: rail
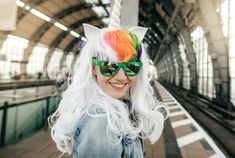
[47,105]
[24,84]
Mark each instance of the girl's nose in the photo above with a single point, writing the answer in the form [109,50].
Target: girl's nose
[120,75]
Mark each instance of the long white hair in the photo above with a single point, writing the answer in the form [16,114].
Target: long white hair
[84,94]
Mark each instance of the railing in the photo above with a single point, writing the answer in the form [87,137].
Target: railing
[20,120]
[25,84]
[24,90]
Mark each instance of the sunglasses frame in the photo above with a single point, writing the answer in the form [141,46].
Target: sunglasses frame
[120,65]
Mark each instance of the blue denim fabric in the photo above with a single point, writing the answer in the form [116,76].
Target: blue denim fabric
[91,141]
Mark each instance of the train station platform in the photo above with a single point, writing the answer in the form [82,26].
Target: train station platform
[182,137]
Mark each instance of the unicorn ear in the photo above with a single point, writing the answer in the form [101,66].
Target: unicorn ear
[139,31]
[91,32]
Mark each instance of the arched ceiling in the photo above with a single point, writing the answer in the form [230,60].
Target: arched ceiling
[70,13]
[162,17]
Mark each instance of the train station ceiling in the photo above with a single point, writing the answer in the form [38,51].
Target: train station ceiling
[60,22]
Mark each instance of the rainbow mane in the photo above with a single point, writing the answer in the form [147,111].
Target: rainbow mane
[124,43]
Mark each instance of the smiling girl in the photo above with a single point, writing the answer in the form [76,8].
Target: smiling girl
[109,108]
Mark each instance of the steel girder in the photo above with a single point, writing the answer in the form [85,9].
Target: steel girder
[158,55]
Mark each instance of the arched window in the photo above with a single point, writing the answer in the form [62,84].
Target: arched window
[36,60]
[54,64]
[204,64]
[176,70]
[186,72]
[13,52]
[227,15]
[161,70]
[69,60]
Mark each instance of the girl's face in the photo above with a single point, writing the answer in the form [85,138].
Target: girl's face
[116,86]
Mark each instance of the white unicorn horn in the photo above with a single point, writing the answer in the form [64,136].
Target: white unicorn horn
[115,15]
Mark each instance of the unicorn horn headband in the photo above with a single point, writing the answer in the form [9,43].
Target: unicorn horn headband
[91,32]
[115,15]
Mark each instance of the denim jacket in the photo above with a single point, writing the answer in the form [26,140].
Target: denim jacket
[91,141]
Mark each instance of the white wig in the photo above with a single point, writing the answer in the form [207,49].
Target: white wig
[84,94]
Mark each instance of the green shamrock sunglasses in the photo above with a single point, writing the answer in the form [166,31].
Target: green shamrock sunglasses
[131,68]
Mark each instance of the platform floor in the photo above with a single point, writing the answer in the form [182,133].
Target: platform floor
[193,141]
[40,145]
[182,137]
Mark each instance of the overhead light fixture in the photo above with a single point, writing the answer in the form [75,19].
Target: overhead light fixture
[99,11]
[20,4]
[84,39]
[40,15]
[60,26]
[91,1]
[106,20]
[27,7]
[105,1]
[75,34]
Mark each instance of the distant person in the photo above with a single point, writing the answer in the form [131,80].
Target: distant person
[11,75]
[63,77]
[39,75]
[109,108]
[67,73]
[59,80]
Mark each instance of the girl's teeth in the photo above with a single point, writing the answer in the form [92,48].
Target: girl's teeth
[119,85]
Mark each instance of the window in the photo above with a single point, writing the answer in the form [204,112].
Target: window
[177,75]
[186,72]
[69,60]
[36,60]
[204,64]
[13,52]
[227,15]
[54,63]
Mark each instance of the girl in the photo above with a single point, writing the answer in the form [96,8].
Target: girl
[109,107]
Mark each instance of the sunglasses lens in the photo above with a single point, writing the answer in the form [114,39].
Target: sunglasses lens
[107,69]
[110,69]
[133,69]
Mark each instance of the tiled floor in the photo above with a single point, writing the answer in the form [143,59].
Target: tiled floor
[195,150]
[39,145]
[178,118]
[192,139]
[156,150]
[183,130]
